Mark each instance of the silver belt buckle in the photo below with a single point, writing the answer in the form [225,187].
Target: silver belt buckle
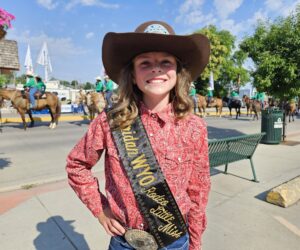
[140,240]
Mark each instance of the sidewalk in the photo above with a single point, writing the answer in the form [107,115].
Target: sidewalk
[52,217]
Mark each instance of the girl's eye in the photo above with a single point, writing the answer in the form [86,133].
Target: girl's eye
[145,64]
[166,63]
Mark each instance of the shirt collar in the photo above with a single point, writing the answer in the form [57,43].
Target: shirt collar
[165,115]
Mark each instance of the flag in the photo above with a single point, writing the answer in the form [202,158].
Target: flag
[28,60]
[44,59]
[211,81]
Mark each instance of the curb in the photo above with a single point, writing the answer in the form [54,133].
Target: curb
[285,194]
[84,117]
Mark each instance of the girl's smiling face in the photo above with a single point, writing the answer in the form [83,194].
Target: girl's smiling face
[155,75]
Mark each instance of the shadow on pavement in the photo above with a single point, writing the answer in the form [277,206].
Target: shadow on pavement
[219,133]
[4,162]
[262,196]
[51,238]
[20,125]
[80,123]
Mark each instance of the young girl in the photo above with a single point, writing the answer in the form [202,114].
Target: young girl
[160,205]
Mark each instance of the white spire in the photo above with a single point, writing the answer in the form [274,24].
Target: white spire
[28,60]
[44,59]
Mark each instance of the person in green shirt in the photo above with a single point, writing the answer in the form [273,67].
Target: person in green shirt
[261,99]
[99,85]
[192,93]
[108,83]
[209,96]
[32,86]
[40,85]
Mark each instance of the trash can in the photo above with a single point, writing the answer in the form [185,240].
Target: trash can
[271,124]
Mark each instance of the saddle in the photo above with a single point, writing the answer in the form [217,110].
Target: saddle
[38,95]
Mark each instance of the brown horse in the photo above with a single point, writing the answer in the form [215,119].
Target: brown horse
[290,110]
[201,103]
[21,104]
[95,103]
[217,103]
[255,107]
[246,99]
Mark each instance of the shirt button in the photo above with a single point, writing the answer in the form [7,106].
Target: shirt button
[151,134]
[153,115]
[179,159]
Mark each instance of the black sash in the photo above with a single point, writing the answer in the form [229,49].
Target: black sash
[150,188]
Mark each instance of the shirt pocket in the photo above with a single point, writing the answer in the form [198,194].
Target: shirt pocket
[178,160]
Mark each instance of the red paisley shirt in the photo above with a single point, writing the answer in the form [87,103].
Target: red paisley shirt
[181,149]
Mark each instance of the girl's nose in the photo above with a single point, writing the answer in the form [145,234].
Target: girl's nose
[156,68]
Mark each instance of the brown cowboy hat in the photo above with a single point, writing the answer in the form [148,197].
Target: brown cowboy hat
[119,49]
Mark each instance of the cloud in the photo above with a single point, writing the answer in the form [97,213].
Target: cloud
[62,47]
[232,26]
[89,35]
[190,12]
[48,4]
[226,7]
[97,3]
[273,5]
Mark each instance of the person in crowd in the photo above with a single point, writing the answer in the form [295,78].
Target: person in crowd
[209,96]
[260,96]
[99,85]
[156,150]
[31,87]
[40,85]
[108,83]
[234,95]
[192,94]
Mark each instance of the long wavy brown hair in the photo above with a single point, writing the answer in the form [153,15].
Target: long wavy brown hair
[126,110]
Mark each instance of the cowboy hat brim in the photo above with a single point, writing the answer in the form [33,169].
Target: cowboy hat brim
[120,48]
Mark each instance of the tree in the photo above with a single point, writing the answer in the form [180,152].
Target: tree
[226,65]
[275,51]
[74,83]
[3,81]
[21,79]
[88,86]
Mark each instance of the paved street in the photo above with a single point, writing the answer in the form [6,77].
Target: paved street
[37,155]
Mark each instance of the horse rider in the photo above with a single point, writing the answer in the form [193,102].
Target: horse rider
[209,96]
[40,85]
[32,86]
[233,96]
[108,83]
[260,96]
[192,93]
[99,85]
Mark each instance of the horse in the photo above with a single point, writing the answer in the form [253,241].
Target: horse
[290,110]
[80,99]
[21,104]
[95,103]
[217,103]
[255,107]
[201,103]
[246,99]
[234,103]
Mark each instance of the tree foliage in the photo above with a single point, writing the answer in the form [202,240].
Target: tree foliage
[226,65]
[275,51]
[3,80]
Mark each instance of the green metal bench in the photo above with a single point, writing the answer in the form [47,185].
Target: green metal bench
[225,151]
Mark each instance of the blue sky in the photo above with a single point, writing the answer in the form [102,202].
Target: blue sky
[74,29]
